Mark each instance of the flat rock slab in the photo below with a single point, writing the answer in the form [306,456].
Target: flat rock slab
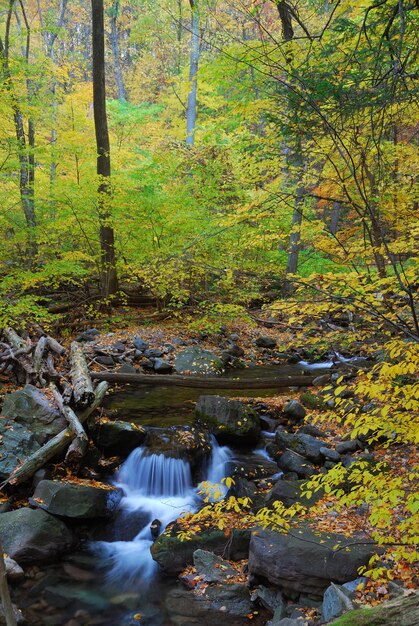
[30,535]
[197,361]
[306,561]
[75,501]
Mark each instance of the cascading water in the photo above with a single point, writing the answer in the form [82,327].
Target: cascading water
[160,488]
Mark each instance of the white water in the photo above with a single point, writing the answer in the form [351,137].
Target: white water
[161,488]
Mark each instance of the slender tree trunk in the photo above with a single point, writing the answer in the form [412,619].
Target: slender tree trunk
[9,613]
[122,95]
[191,109]
[297,217]
[108,279]
[335,217]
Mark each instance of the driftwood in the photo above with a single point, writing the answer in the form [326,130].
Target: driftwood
[54,346]
[83,394]
[79,445]
[16,342]
[54,446]
[204,382]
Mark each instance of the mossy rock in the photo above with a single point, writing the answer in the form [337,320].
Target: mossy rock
[312,401]
[402,611]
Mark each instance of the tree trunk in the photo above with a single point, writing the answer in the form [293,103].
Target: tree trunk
[122,95]
[108,279]
[204,383]
[297,219]
[9,613]
[83,394]
[335,217]
[191,110]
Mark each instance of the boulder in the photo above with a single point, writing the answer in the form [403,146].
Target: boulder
[17,445]
[75,501]
[30,407]
[88,335]
[173,555]
[336,601]
[13,570]
[302,443]
[30,535]
[232,422]
[264,341]
[287,560]
[227,604]
[270,598]
[190,444]
[118,437]
[161,366]
[290,492]
[291,461]
[330,454]
[212,568]
[195,360]
[295,410]
[153,353]
[140,344]
[251,466]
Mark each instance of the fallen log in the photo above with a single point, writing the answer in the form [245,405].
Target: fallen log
[54,446]
[38,354]
[16,342]
[204,382]
[83,394]
[74,423]
[54,346]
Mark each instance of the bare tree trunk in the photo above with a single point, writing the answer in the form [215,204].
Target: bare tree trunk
[122,94]
[108,279]
[335,217]
[9,613]
[191,109]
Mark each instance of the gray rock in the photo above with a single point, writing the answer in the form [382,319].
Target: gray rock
[119,346]
[30,408]
[295,409]
[219,604]
[13,570]
[153,353]
[105,360]
[88,335]
[290,492]
[75,501]
[291,461]
[190,444]
[117,437]
[353,585]
[335,602]
[126,368]
[319,381]
[197,361]
[229,420]
[30,535]
[330,454]
[347,446]
[309,447]
[235,351]
[264,341]
[271,599]
[304,561]
[211,567]
[173,555]
[310,429]
[19,617]
[285,621]
[162,367]
[17,444]
[140,344]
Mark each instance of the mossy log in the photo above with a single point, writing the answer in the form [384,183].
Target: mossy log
[402,611]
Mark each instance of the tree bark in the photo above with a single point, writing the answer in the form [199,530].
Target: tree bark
[83,394]
[6,601]
[203,383]
[108,279]
[191,109]
[122,94]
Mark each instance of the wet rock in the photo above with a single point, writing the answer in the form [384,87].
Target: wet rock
[228,604]
[161,366]
[140,344]
[173,555]
[335,602]
[75,501]
[30,408]
[291,461]
[118,437]
[251,466]
[88,335]
[331,455]
[190,444]
[31,535]
[229,420]
[17,444]
[212,568]
[271,599]
[287,560]
[264,341]
[295,410]
[197,361]
[289,493]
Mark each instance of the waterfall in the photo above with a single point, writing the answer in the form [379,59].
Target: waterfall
[160,488]
[216,471]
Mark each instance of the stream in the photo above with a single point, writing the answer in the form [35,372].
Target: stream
[113,579]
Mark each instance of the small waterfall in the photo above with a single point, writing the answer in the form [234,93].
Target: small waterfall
[161,488]
[217,469]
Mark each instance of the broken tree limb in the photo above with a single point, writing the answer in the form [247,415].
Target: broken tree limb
[82,383]
[16,342]
[74,423]
[54,446]
[203,382]
[37,359]
[54,346]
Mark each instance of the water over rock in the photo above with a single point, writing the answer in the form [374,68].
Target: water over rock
[287,560]
[190,444]
[74,500]
[232,422]
[30,535]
